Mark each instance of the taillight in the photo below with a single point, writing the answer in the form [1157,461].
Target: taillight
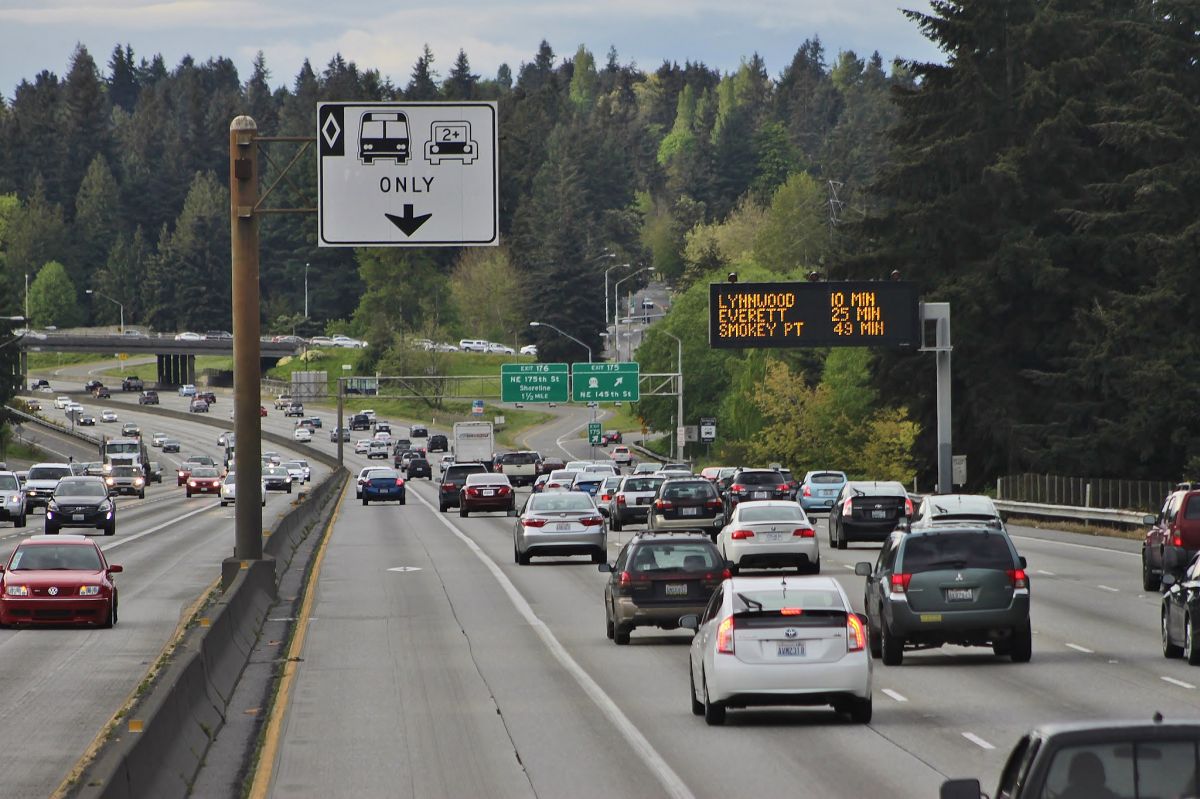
[502,490]
[847,507]
[726,574]
[900,583]
[499,467]
[626,580]
[591,521]
[713,503]
[908,506]
[1019,580]
[782,489]
[605,497]
[791,611]
[804,532]
[1177,541]
[620,499]
[856,638]
[663,504]
[738,535]
[725,636]
[553,485]
[534,522]
[399,481]
[807,491]
[472,492]
[737,488]
[448,487]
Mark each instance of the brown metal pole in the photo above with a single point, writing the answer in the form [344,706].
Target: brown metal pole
[247,427]
[341,420]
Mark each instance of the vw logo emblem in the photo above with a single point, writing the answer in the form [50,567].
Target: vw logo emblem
[790,633]
[53,591]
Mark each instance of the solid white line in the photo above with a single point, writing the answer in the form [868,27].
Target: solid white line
[975,739]
[671,782]
[1048,574]
[848,566]
[1174,681]
[1077,546]
[164,525]
[1082,649]
[893,695]
[1108,588]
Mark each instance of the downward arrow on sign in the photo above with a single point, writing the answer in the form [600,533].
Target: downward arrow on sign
[406,221]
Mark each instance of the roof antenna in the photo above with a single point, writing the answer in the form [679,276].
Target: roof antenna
[1158,717]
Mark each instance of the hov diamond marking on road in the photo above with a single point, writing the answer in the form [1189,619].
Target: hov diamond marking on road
[405,569]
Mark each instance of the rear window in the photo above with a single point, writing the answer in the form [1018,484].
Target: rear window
[461,472]
[519,458]
[563,474]
[1192,509]
[49,472]
[674,557]
[384,474]
[877,490]
[688,491]
[643,484]
[760,478]
[771,513]
[804,599]
[562,501]
[957,550]
[485,478]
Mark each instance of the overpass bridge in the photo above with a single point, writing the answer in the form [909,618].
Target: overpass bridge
[176,360]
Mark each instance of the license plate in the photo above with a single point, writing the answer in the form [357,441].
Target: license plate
[826,493]
[489,493]
[689,511]
[931,617]
[878,514]
[77,517]
[773,536]
[676,589]
[791,650]
[385,491]
[958,594]
[562,527]
[760,494]
[644,500]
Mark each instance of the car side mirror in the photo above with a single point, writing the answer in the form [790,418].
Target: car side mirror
[604,567]
[862,569]
[729,564]
[1149,519]
[1167,580]
[691,621]
[115,568]
[961,789]
[1024,563]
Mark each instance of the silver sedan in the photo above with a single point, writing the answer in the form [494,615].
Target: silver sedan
[770,533]
[765,641]
[560,523]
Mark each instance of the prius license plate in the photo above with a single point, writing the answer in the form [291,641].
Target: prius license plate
[489,493]
[689,511]
[676,589]
[793,649]
[77,517]
[958,594]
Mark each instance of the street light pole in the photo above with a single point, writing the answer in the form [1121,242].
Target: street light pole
[606,271]
[617,303]
[679,440]
[305,290]
[563,333]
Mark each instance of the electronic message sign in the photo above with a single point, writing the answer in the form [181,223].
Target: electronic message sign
[831,314]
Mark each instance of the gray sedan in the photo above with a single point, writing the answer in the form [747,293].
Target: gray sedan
[560,523]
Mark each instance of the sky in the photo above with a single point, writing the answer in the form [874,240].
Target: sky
[388,36]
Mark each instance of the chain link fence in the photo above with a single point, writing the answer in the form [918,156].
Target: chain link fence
[1084,492]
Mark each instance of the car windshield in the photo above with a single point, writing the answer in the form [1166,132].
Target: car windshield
[688,490]
[231,479]
[760,478]
[9,482]
[827,478]
[675,557]
[204,459]
[803,598]
[125,471]
[482,478]
[81,488]
[562,475]
[771,513]
[960,549]
[56,557]
[275,471]
[49,472]
[642,484]
[204,471]
[170,442]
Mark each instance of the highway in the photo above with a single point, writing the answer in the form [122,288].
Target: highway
[62,685]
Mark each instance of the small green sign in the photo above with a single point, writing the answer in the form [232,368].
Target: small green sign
[533,382]
[594,433]
[605,382]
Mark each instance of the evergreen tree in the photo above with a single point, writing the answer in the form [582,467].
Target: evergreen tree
[97,220]
[260,103]
[423,83]
[52,298]
[584,81]
[123,85]
[196,252]
[461,84]
[84,123]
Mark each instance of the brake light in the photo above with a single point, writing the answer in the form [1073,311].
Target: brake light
[534,522]
[908,506]
[553,485]
[472,492]
[739,535]
[399,481]
[620,499]
[780,489]
[1177,541]
[726,574]
[500,467]
[791,611]
[626,580]
[804,532]
[502,490]
[1019,580]
[737,488]
[447,486]
[856,638]
[713,503]
[591,521]
[725,636]
[847,507]
[663,504]
[807,491]
[605,497]
[900,583]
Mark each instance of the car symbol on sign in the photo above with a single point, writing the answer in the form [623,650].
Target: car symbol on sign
[451,141]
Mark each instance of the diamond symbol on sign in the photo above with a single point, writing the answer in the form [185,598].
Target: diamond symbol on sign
[331,130]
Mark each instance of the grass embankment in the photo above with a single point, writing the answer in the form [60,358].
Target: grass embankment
[146,371]
[39,361]
[1135,534]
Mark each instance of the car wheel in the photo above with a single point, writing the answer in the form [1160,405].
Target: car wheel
[891,647]
[621,634]
[512,511]
[111,617]
[599,556]
[462,511]
[111,529]
[402,499]
[22,521]
[50,530]
[814,567]
[734,569]
[141,495]
[441,508]
[224,503]
[1022,643]
[714,712]
[1191,647]
[289,488]
[523,558]
[615,524]
[860,710]
[610,629]
[697,705]
[1150,580]
[874,642]
[365,502]
[841,539]
[1170,650]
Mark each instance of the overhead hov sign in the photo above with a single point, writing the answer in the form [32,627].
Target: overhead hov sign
[407,174]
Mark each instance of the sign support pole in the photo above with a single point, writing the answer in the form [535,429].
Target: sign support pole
[939,314]
[341,422]
[247,426]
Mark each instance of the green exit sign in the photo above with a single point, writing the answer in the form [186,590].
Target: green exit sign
[594,433]
[533,382]
[605,382]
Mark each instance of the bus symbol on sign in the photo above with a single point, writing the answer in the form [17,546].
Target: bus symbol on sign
[383,134]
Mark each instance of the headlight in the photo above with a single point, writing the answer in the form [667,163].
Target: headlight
[110,481]
[137,481]
[89,590]
[17,590]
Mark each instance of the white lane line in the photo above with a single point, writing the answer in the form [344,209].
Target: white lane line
[123,541]
[975,739]
[1048,574]
[848,566]
[894,695]
[1082,649]
[1077,546]
[672,783]
[1108,588]
[1180,683]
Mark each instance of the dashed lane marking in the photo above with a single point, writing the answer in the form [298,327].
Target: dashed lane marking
[975,739]
[894,695]
[1082,649]
[1180,683]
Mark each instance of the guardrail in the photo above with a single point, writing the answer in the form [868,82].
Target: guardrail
[52,425]
[1035,510]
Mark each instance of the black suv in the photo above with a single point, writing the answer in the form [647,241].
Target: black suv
[132,383]
[438,443]
[148,397]
[754,484]
[453,479]
[418,431]
[359,421]
[418,467]
[965,586]
[868,511]
[658,577]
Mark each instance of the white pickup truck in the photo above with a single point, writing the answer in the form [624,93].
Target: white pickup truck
[521,468]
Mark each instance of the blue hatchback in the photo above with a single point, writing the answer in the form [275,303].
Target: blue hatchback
[383,485]
[819,490]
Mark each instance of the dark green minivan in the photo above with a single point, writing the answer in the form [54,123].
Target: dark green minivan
[953,585]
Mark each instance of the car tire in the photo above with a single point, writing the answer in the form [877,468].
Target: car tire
[714,712]
[111,618]
[1022,643]
[734,569]
[442,508]
[22,520]
[1150,580]
[111,528]
[891,647]
[874,639]
[189,494]
[523,558]
[697,705]
[1191,646]
[615,524]
[814,567]
[621,634]
[289,488]
[599,557]
[365,502]
[463,512]
[51,530]
[610,629]
[1170,650]
[224,503]
[141,495]
[860,710]
[402,500]
[841,539]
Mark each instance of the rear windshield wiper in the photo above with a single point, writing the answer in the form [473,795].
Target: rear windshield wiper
[858,492]
[753,604]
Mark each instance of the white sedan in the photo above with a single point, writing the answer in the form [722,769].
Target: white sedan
[772,641]
[108,416]
[188,336]
[770,533]
[229,491]
[62,402]
[302,434]
[362,446]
